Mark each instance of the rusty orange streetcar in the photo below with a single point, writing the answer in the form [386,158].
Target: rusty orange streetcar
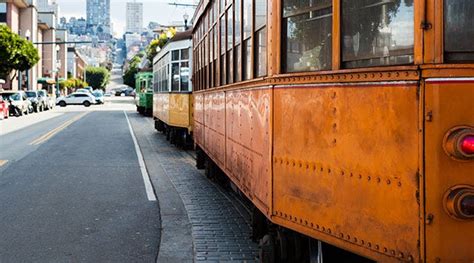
[348,124]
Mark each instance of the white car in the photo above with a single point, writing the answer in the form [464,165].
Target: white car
[76,98]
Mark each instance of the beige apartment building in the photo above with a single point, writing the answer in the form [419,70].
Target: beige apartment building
[24,18]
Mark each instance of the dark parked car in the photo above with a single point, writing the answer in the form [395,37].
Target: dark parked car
[37,102]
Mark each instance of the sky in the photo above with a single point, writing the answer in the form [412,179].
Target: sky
[153,10]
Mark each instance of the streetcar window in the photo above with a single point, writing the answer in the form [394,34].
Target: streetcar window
[237,63]
[175,55]
[184,76]
[261,60]
[260,38]
[230,45]
[223,50]
[377,32]
[247,57]
[459,30]
[307,35]
[247,47]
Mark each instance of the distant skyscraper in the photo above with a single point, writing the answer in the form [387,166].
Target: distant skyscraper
[98,18]
[134,14]
[48,6]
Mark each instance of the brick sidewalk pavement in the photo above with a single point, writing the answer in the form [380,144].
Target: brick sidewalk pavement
[219,232]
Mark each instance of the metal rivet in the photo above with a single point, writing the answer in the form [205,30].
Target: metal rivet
[388,181]
[368,178]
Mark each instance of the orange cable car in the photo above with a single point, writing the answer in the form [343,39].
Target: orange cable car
[348,124]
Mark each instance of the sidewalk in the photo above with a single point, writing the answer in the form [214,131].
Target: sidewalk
[199,222]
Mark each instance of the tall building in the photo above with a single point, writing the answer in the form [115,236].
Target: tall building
[98,18]
[134,14]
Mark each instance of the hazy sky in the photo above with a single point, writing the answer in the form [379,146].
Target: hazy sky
[153,10]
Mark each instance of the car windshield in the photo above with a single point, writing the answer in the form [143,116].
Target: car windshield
[6,96]
[98,94]
[41,93]
[16,96]
[31,94]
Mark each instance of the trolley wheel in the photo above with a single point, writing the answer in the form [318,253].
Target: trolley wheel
[267,249]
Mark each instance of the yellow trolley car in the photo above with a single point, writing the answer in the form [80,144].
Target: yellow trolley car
[172,90]
[349,124]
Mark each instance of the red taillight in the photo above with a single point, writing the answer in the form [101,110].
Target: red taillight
[459,202]
[467,144]
[459,143]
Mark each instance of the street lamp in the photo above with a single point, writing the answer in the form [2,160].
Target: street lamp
[186,18]
[28,35]
[58,68]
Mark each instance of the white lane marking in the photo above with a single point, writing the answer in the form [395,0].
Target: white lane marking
[146,177]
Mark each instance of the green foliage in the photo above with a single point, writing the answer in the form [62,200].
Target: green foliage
[16,53]
[73,83]
[159,43]
[97,77]
[132,69]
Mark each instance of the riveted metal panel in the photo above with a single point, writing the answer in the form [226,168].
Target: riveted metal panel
[346,160]
[161,106]
[198,116]
[449,104]
[248,143]
[179,110]
[214,126]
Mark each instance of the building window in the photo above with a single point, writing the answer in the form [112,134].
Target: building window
[3,12]
[377,33]
[459,30]
[307,28]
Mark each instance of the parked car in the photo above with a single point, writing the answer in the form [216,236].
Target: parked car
[4,108]
[49,101]
[76,98]
[84,91]
[37,102]
[19,102]
[99,96]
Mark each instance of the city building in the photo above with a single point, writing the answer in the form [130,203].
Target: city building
[75,26]
[98,18]
[61,46]
[76,64]
[21,17]
[134,17]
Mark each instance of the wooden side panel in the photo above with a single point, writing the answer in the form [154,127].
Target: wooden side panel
[179,113]
[214,126]
[345,166]
[248,143]
[450,103]
[198,116]
[161,106]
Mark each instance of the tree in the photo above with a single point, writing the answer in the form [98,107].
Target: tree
[97,77]
[16,53]
[73,83]
[131,69]
[159,43]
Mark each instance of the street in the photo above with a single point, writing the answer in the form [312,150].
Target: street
[72,189]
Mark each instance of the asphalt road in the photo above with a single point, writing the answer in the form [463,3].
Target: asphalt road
[71,190]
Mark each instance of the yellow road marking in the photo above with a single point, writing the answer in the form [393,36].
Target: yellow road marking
[3,162]
[56,130]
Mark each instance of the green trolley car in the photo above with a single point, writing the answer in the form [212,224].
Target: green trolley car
[144,92]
